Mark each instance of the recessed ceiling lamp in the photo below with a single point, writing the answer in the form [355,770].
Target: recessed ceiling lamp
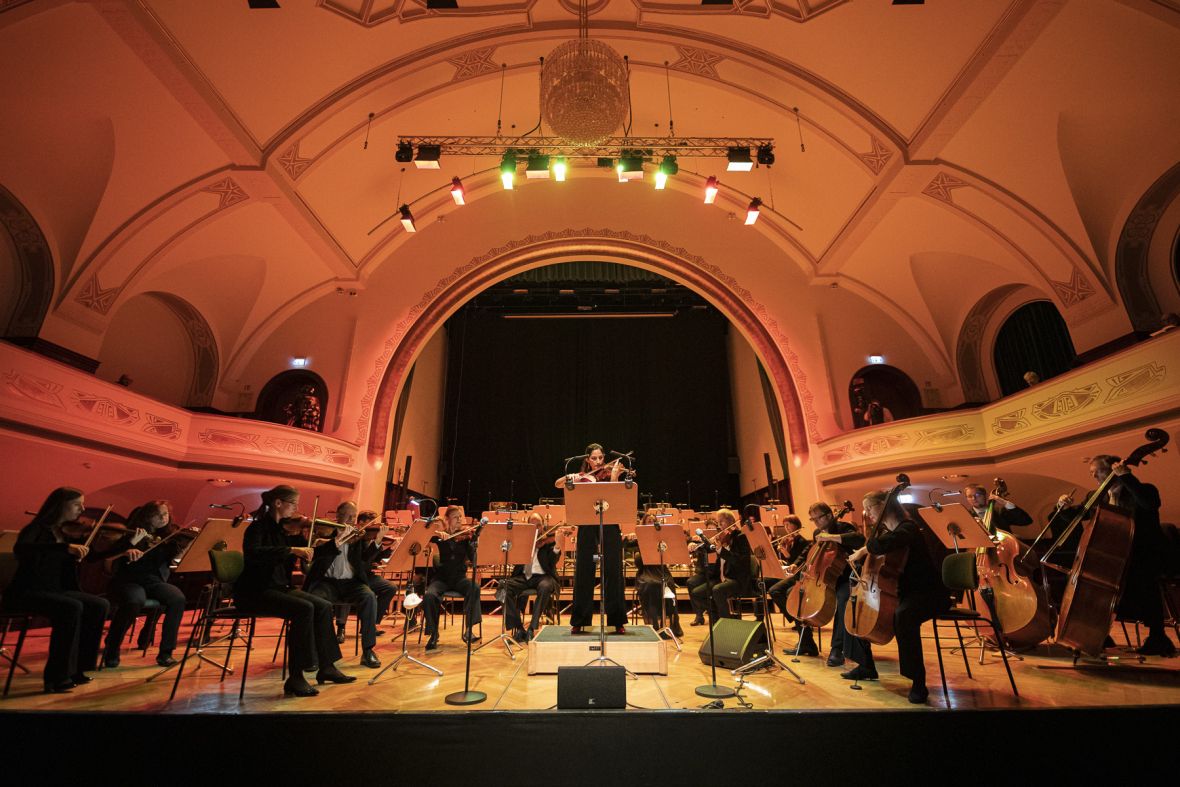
[668,167]
[753,211]
[428,156]
[711,190]
[458,193]
[508,170]
[739,160]
[537,167]
[407,218]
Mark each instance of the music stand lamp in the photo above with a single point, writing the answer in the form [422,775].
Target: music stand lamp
[586,503]
[657,542]
[505,544]
[405,558]
[768,565]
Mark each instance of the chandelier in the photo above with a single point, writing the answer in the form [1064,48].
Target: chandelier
[584,91]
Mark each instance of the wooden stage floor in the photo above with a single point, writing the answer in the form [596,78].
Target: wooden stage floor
[1044,679]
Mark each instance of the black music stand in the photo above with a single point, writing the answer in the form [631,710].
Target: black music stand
[768,565]
[663,544]
[505,544]
[405,558]
[587,504]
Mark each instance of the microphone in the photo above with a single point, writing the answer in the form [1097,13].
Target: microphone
[579,456]
[221,506]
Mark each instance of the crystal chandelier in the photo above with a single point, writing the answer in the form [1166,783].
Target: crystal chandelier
[584,88]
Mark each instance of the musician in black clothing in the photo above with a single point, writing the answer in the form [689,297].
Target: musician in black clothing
[706,571]
[828,528]
[337,574]
[736,572]
[1140,598]
[540,575]
[451,574]
[1005,514]
[46,584]
[265,588]
[649,586]
[140,571]
[793,550]
[921,593]
[374,551]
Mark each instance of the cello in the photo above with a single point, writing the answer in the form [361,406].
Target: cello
[1095,581]
[816,589]
[1021,604]
[875,585]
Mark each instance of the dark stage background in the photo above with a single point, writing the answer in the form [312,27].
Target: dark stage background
[521,395]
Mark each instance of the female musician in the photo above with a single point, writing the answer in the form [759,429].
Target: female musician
[140,572]
[582,612]
[793,550]
[540,575]
[451,574]
[735,571]
[265,588]
[46,583]
[705,572]
[649,585]
[337,575]
[921,593]
[828,528]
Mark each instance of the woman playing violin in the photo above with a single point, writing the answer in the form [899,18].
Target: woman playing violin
[594,468]
[265,588]
[793,550]
[140,571]
[454,554]
[46,583]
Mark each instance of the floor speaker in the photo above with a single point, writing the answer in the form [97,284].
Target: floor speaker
[738,642]
[591,687]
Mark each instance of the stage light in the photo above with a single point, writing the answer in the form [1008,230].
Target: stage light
[405,153]
[710,190]
[667,168]
[630,167]
[458,193]
[766,155]
[753,211]
[407,218]
[508,170]
[428,156]
[537,166]
[739,160]
[560,166]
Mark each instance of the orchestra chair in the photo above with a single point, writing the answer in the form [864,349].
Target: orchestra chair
[150,612]
[959,572]
[7,571]
[1170,590]
[553,613]
[227,566]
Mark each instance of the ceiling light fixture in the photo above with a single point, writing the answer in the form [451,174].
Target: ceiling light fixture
[668,167]
[405,153]
[753,211]
[560,166]
[766,155]
[428,157]
[458,193]
[537,167]
[711,190]
[407,218]
[508,170]
[630,167]
[739,160]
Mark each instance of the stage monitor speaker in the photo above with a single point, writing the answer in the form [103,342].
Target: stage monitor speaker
[738,642]
[591,688]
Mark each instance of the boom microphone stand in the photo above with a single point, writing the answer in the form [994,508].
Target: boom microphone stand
[467,696]
[711,690]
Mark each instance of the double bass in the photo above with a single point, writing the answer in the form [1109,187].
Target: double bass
[1020,603]
[875,586]
[815,590]
[1095,581]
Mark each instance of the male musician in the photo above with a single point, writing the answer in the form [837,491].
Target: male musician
[706,572]
[338,573]
[921,593]
[736,573]
[1005,514]
[793,550]
[374,551]
[1140,592]
[829,528]
[649,586]
[451,574]
[539,575]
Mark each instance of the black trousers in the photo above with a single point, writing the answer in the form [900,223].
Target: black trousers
[355,592]
[432,602]
[913,610]
[385,591]
[698,599]
[779,592]
[311,637]
[128,599]
[839,633]
[651,593]
[722,592]
[77,619]
[545,586]
[582,611]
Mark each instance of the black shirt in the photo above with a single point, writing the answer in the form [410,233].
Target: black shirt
[920,575]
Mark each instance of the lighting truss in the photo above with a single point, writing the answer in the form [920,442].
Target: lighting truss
[611,147]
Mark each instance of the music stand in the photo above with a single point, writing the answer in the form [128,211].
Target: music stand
[405,558]
[505,544]
[587,505]
[214,532]
[768,565]
[663,544]
[956,527]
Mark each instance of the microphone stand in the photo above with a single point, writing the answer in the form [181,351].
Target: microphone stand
[405,635]
[712,690]
[467,696]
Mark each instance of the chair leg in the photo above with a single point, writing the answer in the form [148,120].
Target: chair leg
[946,695]
[20,643]
[233,634]
[194,632]
[963,650]
[278,644]
[1003,643]
[246,661]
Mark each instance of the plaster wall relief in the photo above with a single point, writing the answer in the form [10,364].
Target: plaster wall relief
[370,13]
[35,271]
[1136,384]
[69,408]
[794,10]
[1132,253]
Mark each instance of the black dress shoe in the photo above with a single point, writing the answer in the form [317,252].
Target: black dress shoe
[63,687]
[166,661]
[918,694]
[1157,646]
[835,659]
[80,679]
[808,649]
[298,687]
[697,622]
[678,633]
[859,673]
[576,630]
[369,659]
[110,662]
[471,638]
[333,675]
[339,636]
[520,635]
[432,643]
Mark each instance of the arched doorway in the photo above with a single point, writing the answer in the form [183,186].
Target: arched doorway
[882,393]
[1034,338]
[26,272]
[296,397]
